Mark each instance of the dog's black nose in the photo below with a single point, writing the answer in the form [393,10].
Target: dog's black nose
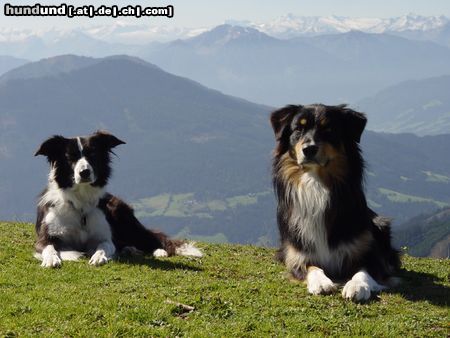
[310,151]
[85,173]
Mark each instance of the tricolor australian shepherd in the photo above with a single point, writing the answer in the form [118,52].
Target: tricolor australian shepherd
[76,216]
[328,233]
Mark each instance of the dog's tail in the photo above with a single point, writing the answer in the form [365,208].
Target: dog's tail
[171,247]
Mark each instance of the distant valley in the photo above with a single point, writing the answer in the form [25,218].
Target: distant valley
[426,235]
[205,172]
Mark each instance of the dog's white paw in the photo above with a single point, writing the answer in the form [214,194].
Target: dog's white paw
[356,290]
[51,261]
[160,253]
[99,258]
[318,283]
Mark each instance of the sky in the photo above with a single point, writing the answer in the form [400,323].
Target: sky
[204,13]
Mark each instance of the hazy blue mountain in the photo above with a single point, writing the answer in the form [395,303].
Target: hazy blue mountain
[48,67]
[370,49]
[171,126]
[34,47]
[8,62]
[55,66]
[426,234]
[196,162]
[245,62]
[420,106]
[377,60]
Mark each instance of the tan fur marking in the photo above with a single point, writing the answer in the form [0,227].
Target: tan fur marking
[293,258]
[337,166]
[290,170]
[299,148]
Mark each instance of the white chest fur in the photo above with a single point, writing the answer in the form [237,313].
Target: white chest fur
[307,221]
[76,229]
[74,217]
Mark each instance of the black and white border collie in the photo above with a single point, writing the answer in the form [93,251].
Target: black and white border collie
[328,233]
[76,216]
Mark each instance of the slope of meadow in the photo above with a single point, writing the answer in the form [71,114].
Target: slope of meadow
[232,291]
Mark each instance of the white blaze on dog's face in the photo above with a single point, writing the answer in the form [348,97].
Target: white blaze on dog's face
[80,160]
[83,171]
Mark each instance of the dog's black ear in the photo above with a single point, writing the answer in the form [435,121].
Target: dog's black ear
[52,146]
[281,118]
[106,139]
[354,123]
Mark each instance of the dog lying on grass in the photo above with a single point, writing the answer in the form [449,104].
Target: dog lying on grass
[75,214]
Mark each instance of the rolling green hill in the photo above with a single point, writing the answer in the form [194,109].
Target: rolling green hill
[232,291]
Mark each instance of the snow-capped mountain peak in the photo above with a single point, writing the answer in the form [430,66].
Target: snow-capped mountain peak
[287,26]
[291,25]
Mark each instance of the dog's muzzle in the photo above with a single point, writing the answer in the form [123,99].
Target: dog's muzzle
[83,172]
[311,156]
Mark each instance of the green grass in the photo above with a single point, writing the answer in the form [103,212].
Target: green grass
[187,205]
[433,177]
[398,197]
[217,238]
[235,290]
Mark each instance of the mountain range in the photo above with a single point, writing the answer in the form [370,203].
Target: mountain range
[333,67]
[284,27]
[290,25]
[196,162]
[344,67]
[36,45]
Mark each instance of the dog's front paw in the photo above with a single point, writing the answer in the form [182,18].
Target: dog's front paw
[318,283]
[356,290]
[99,258]
[51,261]
[160,253]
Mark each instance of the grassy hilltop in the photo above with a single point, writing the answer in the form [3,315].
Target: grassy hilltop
[232,291]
